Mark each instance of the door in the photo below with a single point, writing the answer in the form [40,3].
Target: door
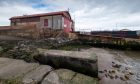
[46,22]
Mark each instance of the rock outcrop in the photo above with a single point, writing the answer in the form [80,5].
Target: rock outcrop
[14,71]
[37,75]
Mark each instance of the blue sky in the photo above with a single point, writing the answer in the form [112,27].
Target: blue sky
[88,14]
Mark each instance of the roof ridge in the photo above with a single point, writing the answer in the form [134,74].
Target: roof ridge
[39,14]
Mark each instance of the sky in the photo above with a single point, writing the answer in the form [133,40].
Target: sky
[87,14]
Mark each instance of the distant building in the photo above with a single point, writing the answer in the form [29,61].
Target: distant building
[53,20]
[125,30]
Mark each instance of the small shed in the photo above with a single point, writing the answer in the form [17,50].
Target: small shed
[53,20]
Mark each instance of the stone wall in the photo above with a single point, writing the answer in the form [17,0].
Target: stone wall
[28,31]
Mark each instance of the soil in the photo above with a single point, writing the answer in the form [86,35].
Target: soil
[118,67]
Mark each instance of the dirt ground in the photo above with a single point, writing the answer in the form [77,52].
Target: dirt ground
[114,66]
[117,67]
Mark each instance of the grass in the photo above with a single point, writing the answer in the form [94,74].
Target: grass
[73,47]
[18,51]
[11,81]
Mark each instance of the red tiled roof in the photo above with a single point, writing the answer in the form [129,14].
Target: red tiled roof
[64,13]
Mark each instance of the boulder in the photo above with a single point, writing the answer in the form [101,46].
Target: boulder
[51,78]
[37,75]
[11,68]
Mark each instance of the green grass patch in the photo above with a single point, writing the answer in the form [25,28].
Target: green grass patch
[11,81]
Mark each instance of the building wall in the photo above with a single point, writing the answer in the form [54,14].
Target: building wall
[25,21]
[49,22]
[67,25]
[54,22]
[57,22]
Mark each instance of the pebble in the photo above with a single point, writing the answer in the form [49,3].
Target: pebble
[131,73]
[106,75]
[116,66]
[113,71]
[126,77]
[123,79]
[105,70]
[113,62]
[109,71]
[111,77]
[101,71]
[116,77]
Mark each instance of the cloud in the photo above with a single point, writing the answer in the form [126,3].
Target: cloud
[16,8]
[88,14]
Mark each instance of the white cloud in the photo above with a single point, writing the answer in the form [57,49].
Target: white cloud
[9,11]
[88,14]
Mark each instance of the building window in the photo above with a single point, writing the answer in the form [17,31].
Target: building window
[45,22]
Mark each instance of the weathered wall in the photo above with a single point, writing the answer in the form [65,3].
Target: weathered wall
[67,25]
[57,22]
[49,22]
[29,31]
[54,22]
[25,21]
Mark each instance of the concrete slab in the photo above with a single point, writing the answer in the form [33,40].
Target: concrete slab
[70,77]
[73,54]
[83,62]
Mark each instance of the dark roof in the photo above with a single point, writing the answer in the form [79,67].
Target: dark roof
[64,13]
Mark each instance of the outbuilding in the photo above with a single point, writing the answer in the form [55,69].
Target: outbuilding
[53,20]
